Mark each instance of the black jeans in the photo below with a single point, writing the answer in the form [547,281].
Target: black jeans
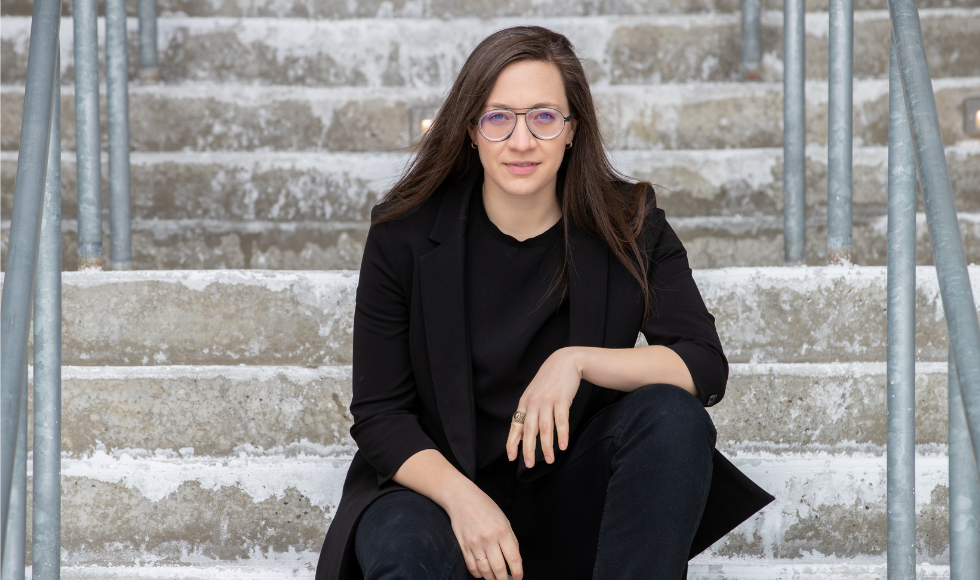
[625,503]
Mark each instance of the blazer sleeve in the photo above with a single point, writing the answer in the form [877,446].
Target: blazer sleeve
[385,398]
[677,317]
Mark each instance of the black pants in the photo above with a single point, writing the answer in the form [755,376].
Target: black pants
[625,503]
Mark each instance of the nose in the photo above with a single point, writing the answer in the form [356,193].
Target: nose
[521,139]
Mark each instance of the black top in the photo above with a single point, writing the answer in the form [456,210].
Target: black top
[516,318]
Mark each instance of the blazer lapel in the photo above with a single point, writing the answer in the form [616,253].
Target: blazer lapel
[442,282]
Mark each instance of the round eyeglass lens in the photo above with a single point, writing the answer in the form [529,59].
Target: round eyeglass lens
[545,123]
[497,125]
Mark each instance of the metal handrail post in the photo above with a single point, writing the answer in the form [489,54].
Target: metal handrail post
[751,15]
[149,64]
[944,232]
[964,490]
[117,99]
[15,548]
[46,512]
[88,140]
[22,248]
[794,131]
[839,131]
[901,334]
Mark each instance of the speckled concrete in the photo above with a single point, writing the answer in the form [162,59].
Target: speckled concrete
[687,116]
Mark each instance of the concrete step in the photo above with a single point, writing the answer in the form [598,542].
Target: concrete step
[206,117]
[224,411]
[636,49]
[336,9]
[711,242]
[304,318]
[342,187]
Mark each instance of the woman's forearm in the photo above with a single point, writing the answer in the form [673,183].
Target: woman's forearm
[627,369]
[429,473]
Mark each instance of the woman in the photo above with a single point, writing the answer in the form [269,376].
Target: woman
[504,422]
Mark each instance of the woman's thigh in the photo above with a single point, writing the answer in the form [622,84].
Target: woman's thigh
[406,536]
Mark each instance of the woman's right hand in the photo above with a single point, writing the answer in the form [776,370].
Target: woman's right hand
[485,536]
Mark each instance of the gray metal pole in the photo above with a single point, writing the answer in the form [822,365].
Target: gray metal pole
[149,65]
[46,520]
[944,231]
[901,335]
[794,131]
[964,490]
[15,550]
[751,13]
[839,131]
[88,141]
[117,89]
[22,246]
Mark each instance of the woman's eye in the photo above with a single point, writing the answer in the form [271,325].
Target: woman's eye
[545,117]
[497,118]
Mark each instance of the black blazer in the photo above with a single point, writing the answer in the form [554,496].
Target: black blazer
[412,374]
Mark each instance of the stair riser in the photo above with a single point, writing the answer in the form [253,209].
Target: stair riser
[173,513]
[670,117]
[333,9]
[424,53]
[344,187]
[304,318]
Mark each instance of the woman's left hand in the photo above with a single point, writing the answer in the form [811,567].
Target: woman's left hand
[545,403]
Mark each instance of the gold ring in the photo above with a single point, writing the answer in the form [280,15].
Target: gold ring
[478,559]
[518,417]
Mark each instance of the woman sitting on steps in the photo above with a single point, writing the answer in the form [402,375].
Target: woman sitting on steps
[505,424]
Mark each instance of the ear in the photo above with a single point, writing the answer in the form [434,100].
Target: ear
[570,129]
[473,132]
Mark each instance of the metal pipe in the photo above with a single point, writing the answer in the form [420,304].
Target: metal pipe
[964,490]
[46,518]
[944,231]
[15,549]
[149,65]
[839,131]
[22,245]
[88,141]
[117,88]
[794,131]
[751,14]
[901,335]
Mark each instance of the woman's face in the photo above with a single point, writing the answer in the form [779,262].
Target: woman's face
[523,165]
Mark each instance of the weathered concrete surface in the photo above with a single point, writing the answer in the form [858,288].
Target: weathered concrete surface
[635,49]
[688,116]
[307,186]
[454,9]
[211,411]
[304,318]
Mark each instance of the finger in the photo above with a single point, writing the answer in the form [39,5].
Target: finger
[561,425]
[483,565]
[547,426]
[471,566]
[513,439]
[530,436]
[511,551]
[498,566]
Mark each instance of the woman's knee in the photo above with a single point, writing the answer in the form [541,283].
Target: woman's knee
[404,535]
[670,411]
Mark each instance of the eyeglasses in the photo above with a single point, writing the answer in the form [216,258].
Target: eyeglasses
[544,123]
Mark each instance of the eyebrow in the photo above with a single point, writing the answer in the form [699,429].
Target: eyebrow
[535,106]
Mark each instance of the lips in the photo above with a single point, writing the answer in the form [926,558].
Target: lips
[522,168]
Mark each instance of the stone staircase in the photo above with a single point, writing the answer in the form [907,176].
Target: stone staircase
[205,421]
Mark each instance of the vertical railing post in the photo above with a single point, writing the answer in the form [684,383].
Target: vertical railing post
[15,549]
[149,65]
[117,97]
[944,232]
[46,512]
[751,14]
[22,247]
[964,489]
[901,334]
[88,141]
[839,131]
[794,131]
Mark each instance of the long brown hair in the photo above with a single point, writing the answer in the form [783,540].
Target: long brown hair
[597,198]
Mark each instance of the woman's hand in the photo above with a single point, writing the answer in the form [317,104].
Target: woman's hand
[485,536]
[545,403]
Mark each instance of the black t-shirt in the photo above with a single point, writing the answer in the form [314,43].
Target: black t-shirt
[516,318]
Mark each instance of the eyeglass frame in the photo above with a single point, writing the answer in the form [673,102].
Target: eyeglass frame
[563,118]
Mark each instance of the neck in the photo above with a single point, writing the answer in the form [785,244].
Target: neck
[521,216]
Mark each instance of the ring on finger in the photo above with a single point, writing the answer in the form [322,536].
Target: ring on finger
[518,417]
